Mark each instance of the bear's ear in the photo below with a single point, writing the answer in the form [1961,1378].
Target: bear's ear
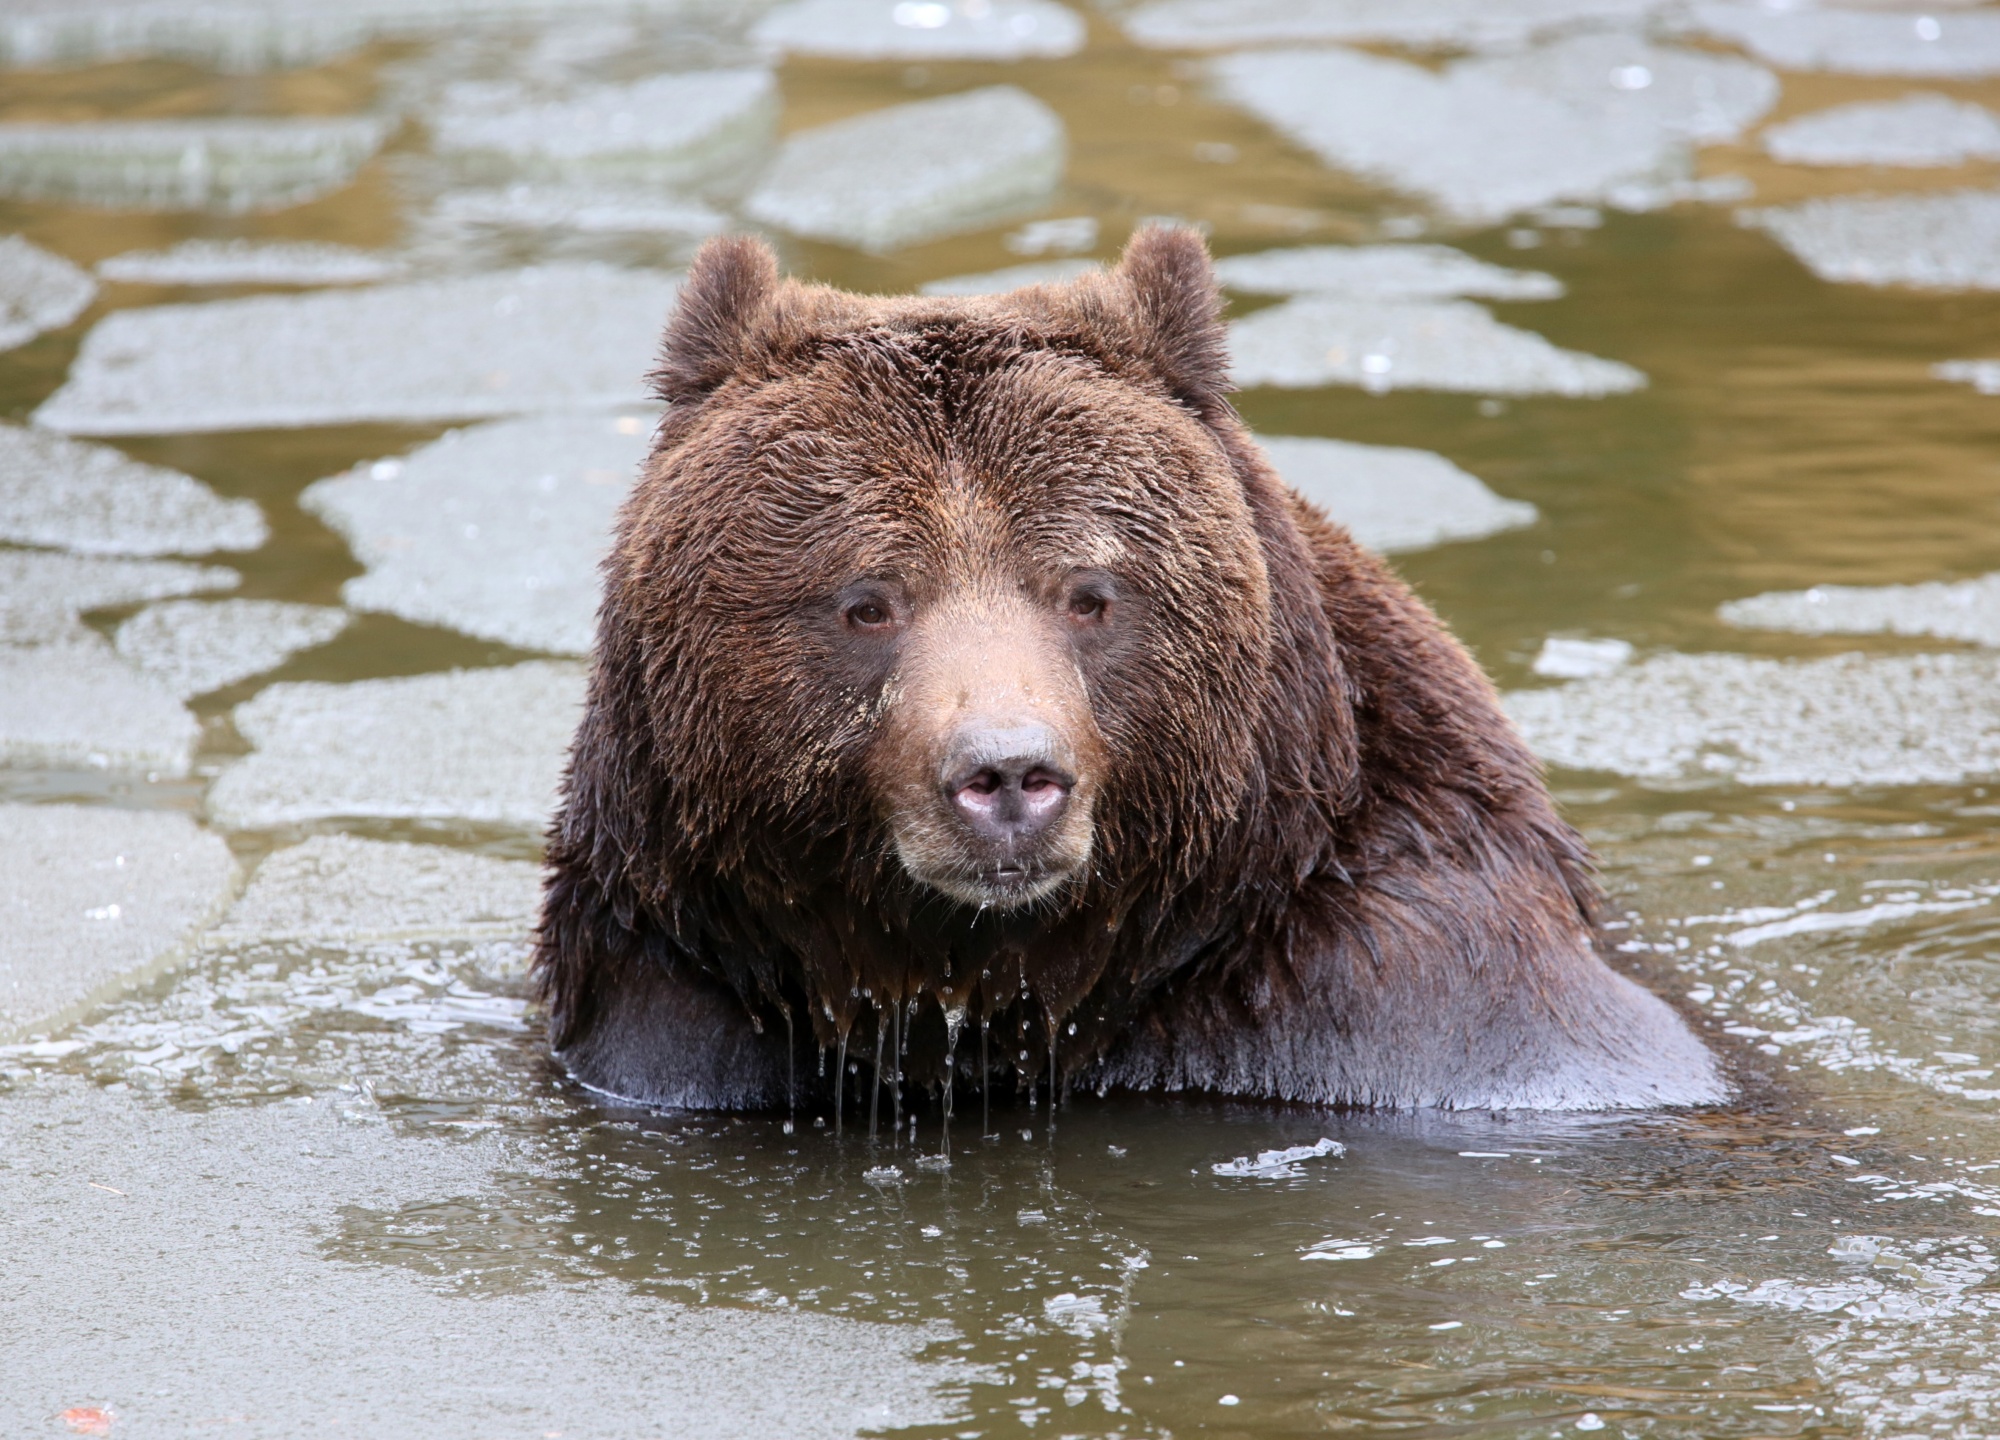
[728,289]
[1178,309]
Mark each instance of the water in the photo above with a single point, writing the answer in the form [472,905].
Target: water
[1817,1259]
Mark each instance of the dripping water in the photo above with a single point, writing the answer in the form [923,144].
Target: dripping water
[896,1089]
[985,1085]
[875,1093]
[840,1083]
[954,1021]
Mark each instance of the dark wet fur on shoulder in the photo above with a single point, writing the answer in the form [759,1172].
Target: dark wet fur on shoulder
[1325,869]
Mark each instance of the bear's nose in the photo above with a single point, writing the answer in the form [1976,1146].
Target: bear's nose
[1007,784]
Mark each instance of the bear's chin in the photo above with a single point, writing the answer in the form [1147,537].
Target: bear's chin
[1007,887]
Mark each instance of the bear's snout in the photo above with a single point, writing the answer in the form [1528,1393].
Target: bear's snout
[1008,784]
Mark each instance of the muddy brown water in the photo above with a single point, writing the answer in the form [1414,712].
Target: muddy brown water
[1815,1260]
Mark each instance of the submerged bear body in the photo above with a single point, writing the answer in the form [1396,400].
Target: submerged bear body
[971,700]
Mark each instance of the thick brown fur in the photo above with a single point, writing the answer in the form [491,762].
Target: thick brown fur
[1322,867]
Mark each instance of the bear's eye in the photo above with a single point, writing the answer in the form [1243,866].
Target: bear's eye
[868,615]
[1088,607]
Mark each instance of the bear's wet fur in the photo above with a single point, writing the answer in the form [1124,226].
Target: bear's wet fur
[1298,851]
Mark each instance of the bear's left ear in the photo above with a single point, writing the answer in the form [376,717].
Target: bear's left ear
[1178,309]
[729,288]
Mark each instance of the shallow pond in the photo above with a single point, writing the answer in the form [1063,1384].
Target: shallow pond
[319,1178]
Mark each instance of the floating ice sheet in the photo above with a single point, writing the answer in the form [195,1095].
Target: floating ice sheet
[1918,130]
[1443,24]
[478,745]
[667,129]
[590,209]
[1961,610]
[1846,721]
[1935,242]
[923,29]
[1381,272]
[912,172]
[223,164]
[193,646]
[553,337]
[73,703]
[94,500]
[1563,658]
[338,888]
[252,262]
[496,531]
[90,898]
[1471,144]
[42,594]
[1684,94]
[1860,42]
[1278,1164]
[1013,277]
[1981,375]
[1392,498]
[1424,345]
[38,291]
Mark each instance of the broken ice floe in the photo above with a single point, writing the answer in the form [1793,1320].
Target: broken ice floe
[93,897]
[923,29]
[893,177]
[72,703]
[1487,137]
[1918,130]
[1013,277]
[1391,498]
[96,501]
[42,594]
[552,337]
[1381,272]
[496,531]
[1860,42]
[1061,235]
[1440,24]
[251,262]
[221,164]
[1981,375]
[1935,242]
[1561,658]
[1847,720]
[38,291]
[484,746]
[338,888]
[1278,1164]
[588,209]
[1961,610]
[1426,345]
[669,129]
[193,647]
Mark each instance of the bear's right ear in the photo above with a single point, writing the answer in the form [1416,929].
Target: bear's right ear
[1177,306]
[728,289]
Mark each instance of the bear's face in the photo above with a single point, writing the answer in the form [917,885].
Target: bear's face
[945,577]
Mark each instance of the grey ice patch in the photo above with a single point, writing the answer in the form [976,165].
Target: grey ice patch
[1860,42]
[1687,95]
[1966,610]
[38,291]
[41,594]
[75,704]
[1439,24]
[496,531]
[553,337]
[1918,130]
[1278,1164]
[668,129]
[231,165]
[480,745]
[893,177]
[1933,242]
[923,29]
[1391,498]
[1475,146]
[1062,235]
[93,898]
[252,262]
[193,647]
[1013,277]
[96,501]
[1562,658]
[1424,345]
[1981,375]
[585,209]
[223,1287]
[1381,272]
[337,889]
[1844,721]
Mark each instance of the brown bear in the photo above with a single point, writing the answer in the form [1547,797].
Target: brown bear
[971,700]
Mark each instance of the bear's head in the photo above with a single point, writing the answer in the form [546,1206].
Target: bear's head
[938,618]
